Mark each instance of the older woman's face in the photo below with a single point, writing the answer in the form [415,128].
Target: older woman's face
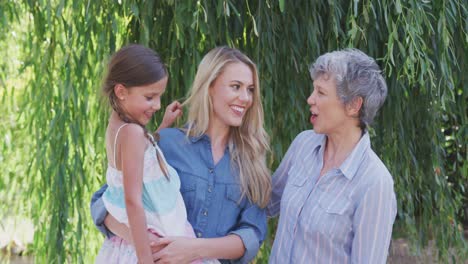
[328,113]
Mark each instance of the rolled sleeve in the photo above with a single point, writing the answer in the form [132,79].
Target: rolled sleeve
[251,244]
[99,212]
[252,230]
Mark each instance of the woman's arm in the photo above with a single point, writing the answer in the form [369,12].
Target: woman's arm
[241,244]
[228,247]
[372,222]
[119,229]
[122,231]
[185,250]
[99,212]
[132,158]
[107,224]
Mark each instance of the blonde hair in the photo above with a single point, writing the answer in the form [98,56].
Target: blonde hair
[249,143]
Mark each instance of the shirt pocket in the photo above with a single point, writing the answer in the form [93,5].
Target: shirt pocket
[295,182]
[188,192]
[297,178]
[230,209]
[333,203]
[335,214]
[294,187]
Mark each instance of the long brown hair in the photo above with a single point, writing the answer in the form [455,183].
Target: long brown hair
[134,65]
[249,143]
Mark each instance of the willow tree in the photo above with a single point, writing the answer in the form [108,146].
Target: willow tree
[421,133]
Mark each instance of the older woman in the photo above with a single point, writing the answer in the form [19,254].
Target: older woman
[334,195]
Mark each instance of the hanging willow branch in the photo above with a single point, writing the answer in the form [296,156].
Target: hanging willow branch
[421,133]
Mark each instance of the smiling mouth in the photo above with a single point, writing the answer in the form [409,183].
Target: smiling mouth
[149,115]
[238,110]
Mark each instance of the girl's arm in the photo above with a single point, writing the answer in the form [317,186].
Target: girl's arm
[132,150]
[122,231]
[173,111]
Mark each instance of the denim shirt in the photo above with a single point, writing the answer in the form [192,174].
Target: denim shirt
[211,193]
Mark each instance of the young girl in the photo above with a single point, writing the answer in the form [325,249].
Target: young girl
[143,189]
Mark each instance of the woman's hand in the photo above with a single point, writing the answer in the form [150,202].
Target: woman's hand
[154,243]
[173,111]
[175,250]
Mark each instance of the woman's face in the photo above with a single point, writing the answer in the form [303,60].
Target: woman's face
[232,95]
[328,113]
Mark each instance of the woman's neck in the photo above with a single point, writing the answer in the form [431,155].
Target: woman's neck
[340,145]
[219,136]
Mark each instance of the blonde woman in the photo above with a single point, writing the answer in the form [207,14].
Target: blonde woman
[220,158]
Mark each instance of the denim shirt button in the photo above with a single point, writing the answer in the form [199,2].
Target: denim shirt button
[210,170]
[199,234]
[209,189]
[205,213]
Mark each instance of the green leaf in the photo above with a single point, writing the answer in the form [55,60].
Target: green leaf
[281,5]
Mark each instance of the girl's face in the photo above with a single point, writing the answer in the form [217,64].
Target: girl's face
[141,102]
[232,95]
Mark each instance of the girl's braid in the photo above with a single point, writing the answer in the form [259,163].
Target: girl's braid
[116,106]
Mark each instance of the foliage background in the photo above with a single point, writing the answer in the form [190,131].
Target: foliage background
[52,154]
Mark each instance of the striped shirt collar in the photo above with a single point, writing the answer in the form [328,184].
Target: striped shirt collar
[352,163]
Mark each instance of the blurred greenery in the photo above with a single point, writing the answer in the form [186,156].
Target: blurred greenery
[53,52]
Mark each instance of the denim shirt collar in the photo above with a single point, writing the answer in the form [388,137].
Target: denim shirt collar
[193,139]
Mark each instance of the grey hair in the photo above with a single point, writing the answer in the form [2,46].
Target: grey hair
[356,75]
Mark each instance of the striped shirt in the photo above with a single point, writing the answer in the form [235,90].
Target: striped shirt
[345,216]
